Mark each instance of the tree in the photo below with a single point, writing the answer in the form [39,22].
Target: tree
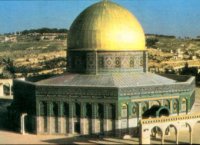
[151,42]
[44,30]
[9,68]
[189,70]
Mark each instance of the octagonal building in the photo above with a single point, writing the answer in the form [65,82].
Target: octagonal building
[107,88]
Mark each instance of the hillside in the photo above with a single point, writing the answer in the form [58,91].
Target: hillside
[173,53]
[32,54]
[37,52]
[167,44]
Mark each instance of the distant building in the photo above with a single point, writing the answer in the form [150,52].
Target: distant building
[52,36]
[180,53]
[5,87]
[194,57]
[107,88]
[10,39]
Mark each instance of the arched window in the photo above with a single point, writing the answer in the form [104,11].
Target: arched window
[163,111]
[155,132]
[171,132]
[166,103]
[155,103]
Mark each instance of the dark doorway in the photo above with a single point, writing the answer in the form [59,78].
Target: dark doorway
[77,128]
[28,124]
[89,111]
[77,110]
[100,111]
[163,112]
[156,111]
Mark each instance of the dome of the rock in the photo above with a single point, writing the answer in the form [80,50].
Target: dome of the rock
[106,26]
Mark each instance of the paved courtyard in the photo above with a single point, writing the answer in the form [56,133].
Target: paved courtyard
[9,137]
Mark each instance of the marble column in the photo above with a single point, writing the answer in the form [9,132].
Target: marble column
[38,125]
[105,121]
[179,106]
[140,110]
[191,132]
[171,107]
[162,138]
[130,119]
[49,114]
[60,117]
[177,135]
[71,118]
[22,118]
[82,126]
[118,120]
[187,105]
[94,118]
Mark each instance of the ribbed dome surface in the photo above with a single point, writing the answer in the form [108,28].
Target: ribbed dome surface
[106,26]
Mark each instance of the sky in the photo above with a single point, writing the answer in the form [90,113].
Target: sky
[167,17]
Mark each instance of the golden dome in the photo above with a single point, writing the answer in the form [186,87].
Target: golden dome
[106,26]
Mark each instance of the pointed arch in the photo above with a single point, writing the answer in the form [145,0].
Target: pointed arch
[156,134]
[171,131]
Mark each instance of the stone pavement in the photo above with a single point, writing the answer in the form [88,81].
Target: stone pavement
[13,138]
